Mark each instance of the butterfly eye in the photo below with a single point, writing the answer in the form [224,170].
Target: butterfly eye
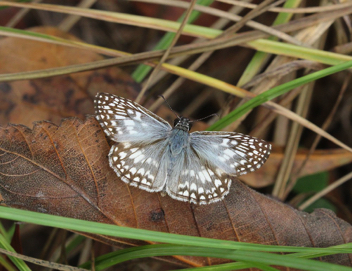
[176,121]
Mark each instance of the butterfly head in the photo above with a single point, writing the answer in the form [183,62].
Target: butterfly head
[182,123]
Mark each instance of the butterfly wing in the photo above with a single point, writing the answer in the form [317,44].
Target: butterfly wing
[143,166]
[234,153]
[203,174]
[140,157]
[195,180]
[125,121]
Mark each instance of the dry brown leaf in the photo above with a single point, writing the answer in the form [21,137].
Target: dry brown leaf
[64,171]
[57,97]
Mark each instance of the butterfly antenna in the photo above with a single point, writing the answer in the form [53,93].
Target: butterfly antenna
[206,117]
[161,96]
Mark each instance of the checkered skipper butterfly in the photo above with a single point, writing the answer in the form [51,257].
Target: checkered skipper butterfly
[151,155]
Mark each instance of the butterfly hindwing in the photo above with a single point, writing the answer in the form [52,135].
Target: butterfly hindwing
[195,180]
[143,166]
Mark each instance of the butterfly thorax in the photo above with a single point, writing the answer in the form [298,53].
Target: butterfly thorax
[179,137]
[182,124]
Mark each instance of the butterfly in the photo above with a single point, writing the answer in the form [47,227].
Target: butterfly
[194,167]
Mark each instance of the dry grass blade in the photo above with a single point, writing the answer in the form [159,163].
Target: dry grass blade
[290,10]
[120,18]
[200,47]
[201,59]
[277,73]
[325,191]
[284,173]
[283,179]
[318,138]
[167,52]
[51,265]
[68,23]
[233,17]
[289,114]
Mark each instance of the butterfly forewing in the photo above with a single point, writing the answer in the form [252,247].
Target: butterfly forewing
[123,120]
[234,153]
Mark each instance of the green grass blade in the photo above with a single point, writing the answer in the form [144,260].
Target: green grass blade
[232,266]
[116,257]
[197,246]
[20,264]
[147,235]
[251,258]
